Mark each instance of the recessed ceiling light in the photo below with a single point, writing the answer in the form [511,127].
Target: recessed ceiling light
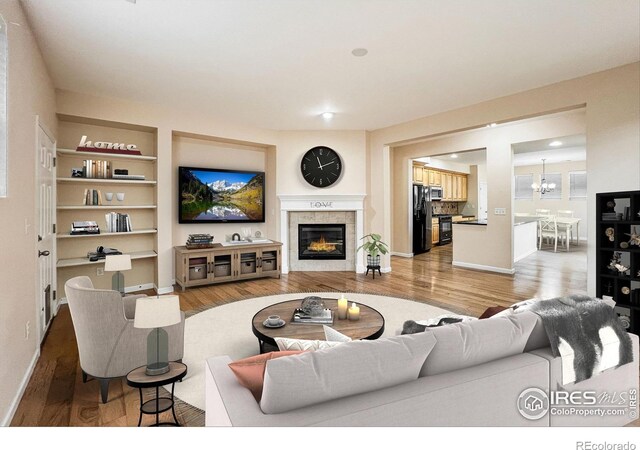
[327,115]
[492,125]
[555,144]
[359,52]
[453,155]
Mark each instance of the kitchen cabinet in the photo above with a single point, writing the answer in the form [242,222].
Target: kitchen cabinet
[435,178]
[418,174]
[435,232]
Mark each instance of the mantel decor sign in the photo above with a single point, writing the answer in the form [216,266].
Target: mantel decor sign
[107,147]
[321,205]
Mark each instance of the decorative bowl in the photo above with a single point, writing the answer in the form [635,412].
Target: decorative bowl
[312,305]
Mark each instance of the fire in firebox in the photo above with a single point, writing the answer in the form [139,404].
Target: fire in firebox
[322,246]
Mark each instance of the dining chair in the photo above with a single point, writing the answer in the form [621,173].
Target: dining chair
[548,228]
[567,228]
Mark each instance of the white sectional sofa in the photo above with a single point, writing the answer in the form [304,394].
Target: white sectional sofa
[472,376]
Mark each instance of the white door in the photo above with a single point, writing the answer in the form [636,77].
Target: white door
[45,218]
[482,201]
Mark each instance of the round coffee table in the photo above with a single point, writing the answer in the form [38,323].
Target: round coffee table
[370,325]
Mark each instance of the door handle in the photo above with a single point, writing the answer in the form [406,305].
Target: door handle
[44,253]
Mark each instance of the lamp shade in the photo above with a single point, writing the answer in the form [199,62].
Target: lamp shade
[157,312]
[117,263]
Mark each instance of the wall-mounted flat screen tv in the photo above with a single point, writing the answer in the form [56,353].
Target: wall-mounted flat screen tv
[220,196]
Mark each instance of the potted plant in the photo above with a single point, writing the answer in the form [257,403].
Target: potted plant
[374,247]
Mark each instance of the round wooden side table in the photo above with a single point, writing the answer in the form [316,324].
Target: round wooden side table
[138,379]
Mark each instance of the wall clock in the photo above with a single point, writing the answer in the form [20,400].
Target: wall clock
[321,166]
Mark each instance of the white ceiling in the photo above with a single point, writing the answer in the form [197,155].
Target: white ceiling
[573,148]
[278,64]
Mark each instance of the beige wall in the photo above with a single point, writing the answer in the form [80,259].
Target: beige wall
[494,249]
[612,100]
[350,145]
[210,154]
[578,206]
[30,93]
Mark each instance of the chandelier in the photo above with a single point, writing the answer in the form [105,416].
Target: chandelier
[544,186]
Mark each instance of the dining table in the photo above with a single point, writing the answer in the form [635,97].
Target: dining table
[566,221]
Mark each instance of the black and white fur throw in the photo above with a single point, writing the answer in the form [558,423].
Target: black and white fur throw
[585,332]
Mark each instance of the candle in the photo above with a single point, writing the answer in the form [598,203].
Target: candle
[354,312]
[342,307]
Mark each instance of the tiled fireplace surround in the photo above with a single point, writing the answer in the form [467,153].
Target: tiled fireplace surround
[321,209]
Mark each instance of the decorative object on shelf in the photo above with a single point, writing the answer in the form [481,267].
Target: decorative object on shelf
[343,305]
[543,187]
[624,245]
[610,206]
[312,306]
[625,290]
[199,241]
[621,268]
[616,259]
[77,173]
[610,233]
[624,316]
[321,166]
[634,237]
[257,234]
[156,313]
[108,196]
[246,232]
[120,196]
[117,264]
[107,147]
[236,237]
[354,312]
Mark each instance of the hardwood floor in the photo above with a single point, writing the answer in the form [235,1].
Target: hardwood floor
[56,396]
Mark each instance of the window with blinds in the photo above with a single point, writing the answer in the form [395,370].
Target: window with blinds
[523,187]
[577,185]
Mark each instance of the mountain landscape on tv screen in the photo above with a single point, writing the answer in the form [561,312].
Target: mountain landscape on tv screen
[221,196]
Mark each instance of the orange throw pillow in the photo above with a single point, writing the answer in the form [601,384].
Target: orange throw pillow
[250,371]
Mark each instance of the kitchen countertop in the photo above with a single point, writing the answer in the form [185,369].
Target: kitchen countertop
[521,220]
[471,222]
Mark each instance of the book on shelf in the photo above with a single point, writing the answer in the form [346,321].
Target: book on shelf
[116,176]
[300,317]
[118,223]
[84,227]
[92,197]
[96,168]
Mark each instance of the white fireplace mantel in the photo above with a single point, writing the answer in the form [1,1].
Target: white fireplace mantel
[320,203]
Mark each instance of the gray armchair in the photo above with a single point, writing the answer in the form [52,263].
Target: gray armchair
[108,344]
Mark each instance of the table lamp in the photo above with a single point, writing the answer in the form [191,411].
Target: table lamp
[157,312]
[117,264]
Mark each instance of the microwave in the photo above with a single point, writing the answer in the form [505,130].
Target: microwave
[435,193]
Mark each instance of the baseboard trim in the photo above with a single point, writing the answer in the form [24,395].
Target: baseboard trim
[402,255]
[524,256]
[465,265]
[385,269]
[139,287]
[23,386]
[163,290]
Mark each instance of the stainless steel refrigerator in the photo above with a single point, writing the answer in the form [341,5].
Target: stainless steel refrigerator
[421,219]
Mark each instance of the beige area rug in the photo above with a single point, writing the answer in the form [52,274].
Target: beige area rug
[226,330]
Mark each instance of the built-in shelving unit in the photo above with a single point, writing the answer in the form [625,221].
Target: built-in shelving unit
[614,242]
[140,201]
[103,234]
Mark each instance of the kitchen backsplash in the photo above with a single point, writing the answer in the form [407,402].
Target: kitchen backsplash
[444,208]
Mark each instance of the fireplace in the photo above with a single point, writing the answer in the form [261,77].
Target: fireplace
[321,241]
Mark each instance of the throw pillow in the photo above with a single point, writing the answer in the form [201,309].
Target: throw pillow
[335,336]
[285,344]
[491,311]
[348,369]
[250,371]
